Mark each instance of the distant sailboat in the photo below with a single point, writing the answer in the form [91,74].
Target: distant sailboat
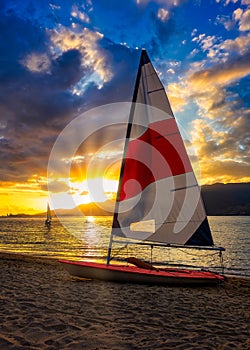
[158,200]
[49,217]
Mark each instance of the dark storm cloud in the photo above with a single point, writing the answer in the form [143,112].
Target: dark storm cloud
[120,88]
[26,95]
[67,69]
[34,106]
[36,99]
[36,102]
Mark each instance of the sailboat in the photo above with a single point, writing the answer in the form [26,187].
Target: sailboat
[49,217]
[158,199]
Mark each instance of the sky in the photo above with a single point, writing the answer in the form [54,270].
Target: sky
[59,59]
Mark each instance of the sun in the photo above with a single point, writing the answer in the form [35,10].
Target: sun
[84,192]
[94,190]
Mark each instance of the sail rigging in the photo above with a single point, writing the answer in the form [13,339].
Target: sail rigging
[158,199]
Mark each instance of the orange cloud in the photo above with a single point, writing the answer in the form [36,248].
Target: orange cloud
[220,75]
[220,135]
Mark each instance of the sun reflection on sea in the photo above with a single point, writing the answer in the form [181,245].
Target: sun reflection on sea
[77,239]
[90,219]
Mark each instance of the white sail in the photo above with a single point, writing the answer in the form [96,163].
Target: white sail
[49,217]
[158,199]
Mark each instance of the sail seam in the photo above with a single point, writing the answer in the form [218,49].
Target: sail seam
[176,221]
[145,84]
[183,188]
[149,92]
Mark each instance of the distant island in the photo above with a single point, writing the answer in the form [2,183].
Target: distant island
[227,199]
[219,199]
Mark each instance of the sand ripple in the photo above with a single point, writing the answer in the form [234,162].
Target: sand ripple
[41,307]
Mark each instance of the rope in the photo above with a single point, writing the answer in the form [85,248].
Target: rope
[116,253]
[209,254]
[222,262]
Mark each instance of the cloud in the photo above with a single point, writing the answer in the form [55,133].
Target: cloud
[223,50]
[59,60]
[239,45]
[206,43]
[177,94]
[37,63]
[221,74]
[222,143]
[237,14]
[227,62]
[38,88]
[240,16]
[42,69]
[244,24]
[57,187]
[226,172]
[168,3]
[163,14]
[35,100]
[220,134]
[226,2]
[86,42]
[84,193]
[77,13]
[223,158]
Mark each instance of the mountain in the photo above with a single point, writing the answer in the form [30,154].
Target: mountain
[219,199]
[227,199]
[90,209]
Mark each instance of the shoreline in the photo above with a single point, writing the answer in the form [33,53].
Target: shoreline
[54,260]
[43,308]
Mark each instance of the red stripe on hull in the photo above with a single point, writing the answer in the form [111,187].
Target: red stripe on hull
[131,274]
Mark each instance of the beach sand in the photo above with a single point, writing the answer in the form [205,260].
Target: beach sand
[42,307]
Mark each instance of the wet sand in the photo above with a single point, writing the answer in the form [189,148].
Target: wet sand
[42,307]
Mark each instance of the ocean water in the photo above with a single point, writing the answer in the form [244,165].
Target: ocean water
[87,238]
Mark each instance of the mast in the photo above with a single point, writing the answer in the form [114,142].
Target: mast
[143,57]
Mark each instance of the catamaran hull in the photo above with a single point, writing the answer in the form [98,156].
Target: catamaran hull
[131,274]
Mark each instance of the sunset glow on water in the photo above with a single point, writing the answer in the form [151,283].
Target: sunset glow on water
[87,238]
